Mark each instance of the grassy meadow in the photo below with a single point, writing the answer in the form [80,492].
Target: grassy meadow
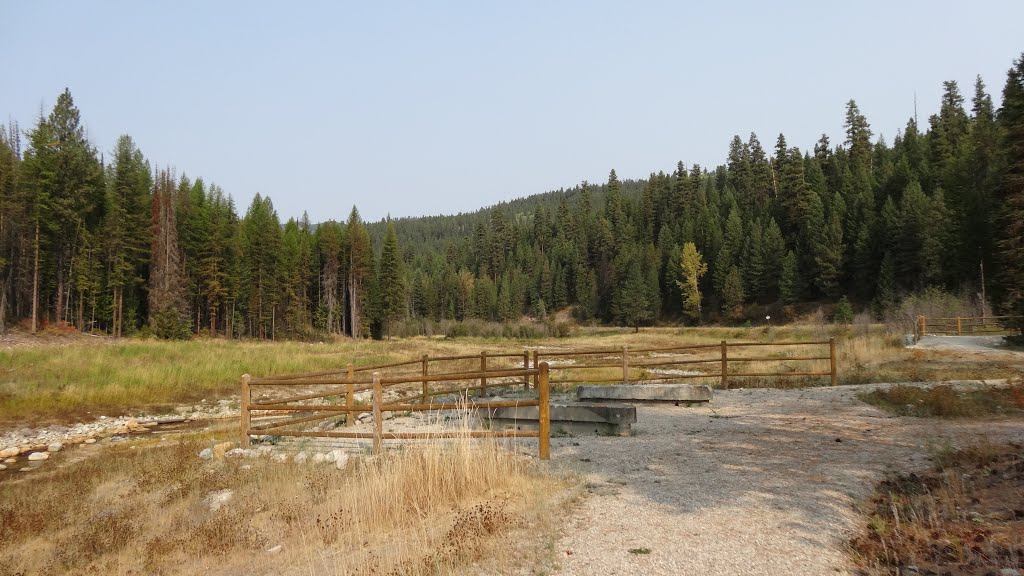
[43,381]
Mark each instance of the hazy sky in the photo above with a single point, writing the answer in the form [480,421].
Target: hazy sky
[440,107]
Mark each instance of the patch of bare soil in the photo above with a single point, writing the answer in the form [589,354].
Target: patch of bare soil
[60,335]
[963,517]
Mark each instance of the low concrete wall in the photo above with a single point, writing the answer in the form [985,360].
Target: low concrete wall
[573,419]
[674,393]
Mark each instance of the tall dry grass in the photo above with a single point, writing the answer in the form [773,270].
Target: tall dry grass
[426,509]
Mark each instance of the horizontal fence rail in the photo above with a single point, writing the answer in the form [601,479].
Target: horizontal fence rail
[423,379]
[378,407]
[964,326]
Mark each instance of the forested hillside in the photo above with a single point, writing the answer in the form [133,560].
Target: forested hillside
[119,244]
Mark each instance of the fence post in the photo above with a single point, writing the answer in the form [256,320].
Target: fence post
[483,368]
[526,366]
[544,413]
[350,397]
[725,366]
[378,418]
[625,364]
[958,332]
[832,354]
[244,442]
[536,365]
[426,383]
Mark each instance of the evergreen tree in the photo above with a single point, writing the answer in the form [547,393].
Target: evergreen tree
[389,280]
[1010,243]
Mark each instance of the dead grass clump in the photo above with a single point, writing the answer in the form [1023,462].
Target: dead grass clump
[422,509]
[966,516]
[945,401]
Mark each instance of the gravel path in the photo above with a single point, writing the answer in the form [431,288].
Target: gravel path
[762,482]
[986,344]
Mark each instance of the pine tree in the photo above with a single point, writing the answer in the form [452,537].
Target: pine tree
[168,308]
[733,295]
[1010,243]
[360,268]
[389,280]
[790,284]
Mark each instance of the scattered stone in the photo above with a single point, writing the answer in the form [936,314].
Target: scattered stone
[275,550]
[1009,572]
[279,458]
[35,456]
[301,457]
[90,440]
[26,469]
[264,451]
[340,459]
[10,461]
[3,467]
[9,452]
[55,447]
[215,500]
[319,458]
[220,449]
[132,423]
[206,454]
[329,457]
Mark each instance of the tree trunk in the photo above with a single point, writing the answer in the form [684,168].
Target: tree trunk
[35,284]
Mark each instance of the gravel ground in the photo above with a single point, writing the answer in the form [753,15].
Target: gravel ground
[985,344]
[761,482]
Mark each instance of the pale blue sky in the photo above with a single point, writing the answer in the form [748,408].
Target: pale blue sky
[415,108]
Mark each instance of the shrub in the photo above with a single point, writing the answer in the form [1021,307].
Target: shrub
[843,312]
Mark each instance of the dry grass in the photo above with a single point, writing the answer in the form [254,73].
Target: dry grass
[964,517]
[428,509]
[65,380]
[945,401]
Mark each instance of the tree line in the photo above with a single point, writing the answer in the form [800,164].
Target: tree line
[123,246]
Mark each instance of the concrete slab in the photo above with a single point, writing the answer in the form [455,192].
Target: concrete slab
[674,393]
[570,418]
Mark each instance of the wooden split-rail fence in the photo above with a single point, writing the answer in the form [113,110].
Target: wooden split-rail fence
[427,377]
[964,326]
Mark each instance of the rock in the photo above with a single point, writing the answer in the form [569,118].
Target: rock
[3,467]
[1009,572]
[206,454]
[121,430]
[132,423]
[55,447]
[9,452]
[340,459]
[215,500]
[90,440]
[10,461]
[279,458]
[319,458]
[220,449]
[238,453]
[264,451]
[275,550]
[329,457]
[35,456]
[300,458]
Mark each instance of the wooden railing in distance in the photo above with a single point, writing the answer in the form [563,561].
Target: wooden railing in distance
[377,384]
[963,326]
[635,366]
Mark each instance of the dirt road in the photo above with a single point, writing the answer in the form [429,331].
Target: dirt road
[762,482]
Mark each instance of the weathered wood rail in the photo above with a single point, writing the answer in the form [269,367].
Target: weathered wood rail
[436,376]
[635,363]
[377,383]
[964,326]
